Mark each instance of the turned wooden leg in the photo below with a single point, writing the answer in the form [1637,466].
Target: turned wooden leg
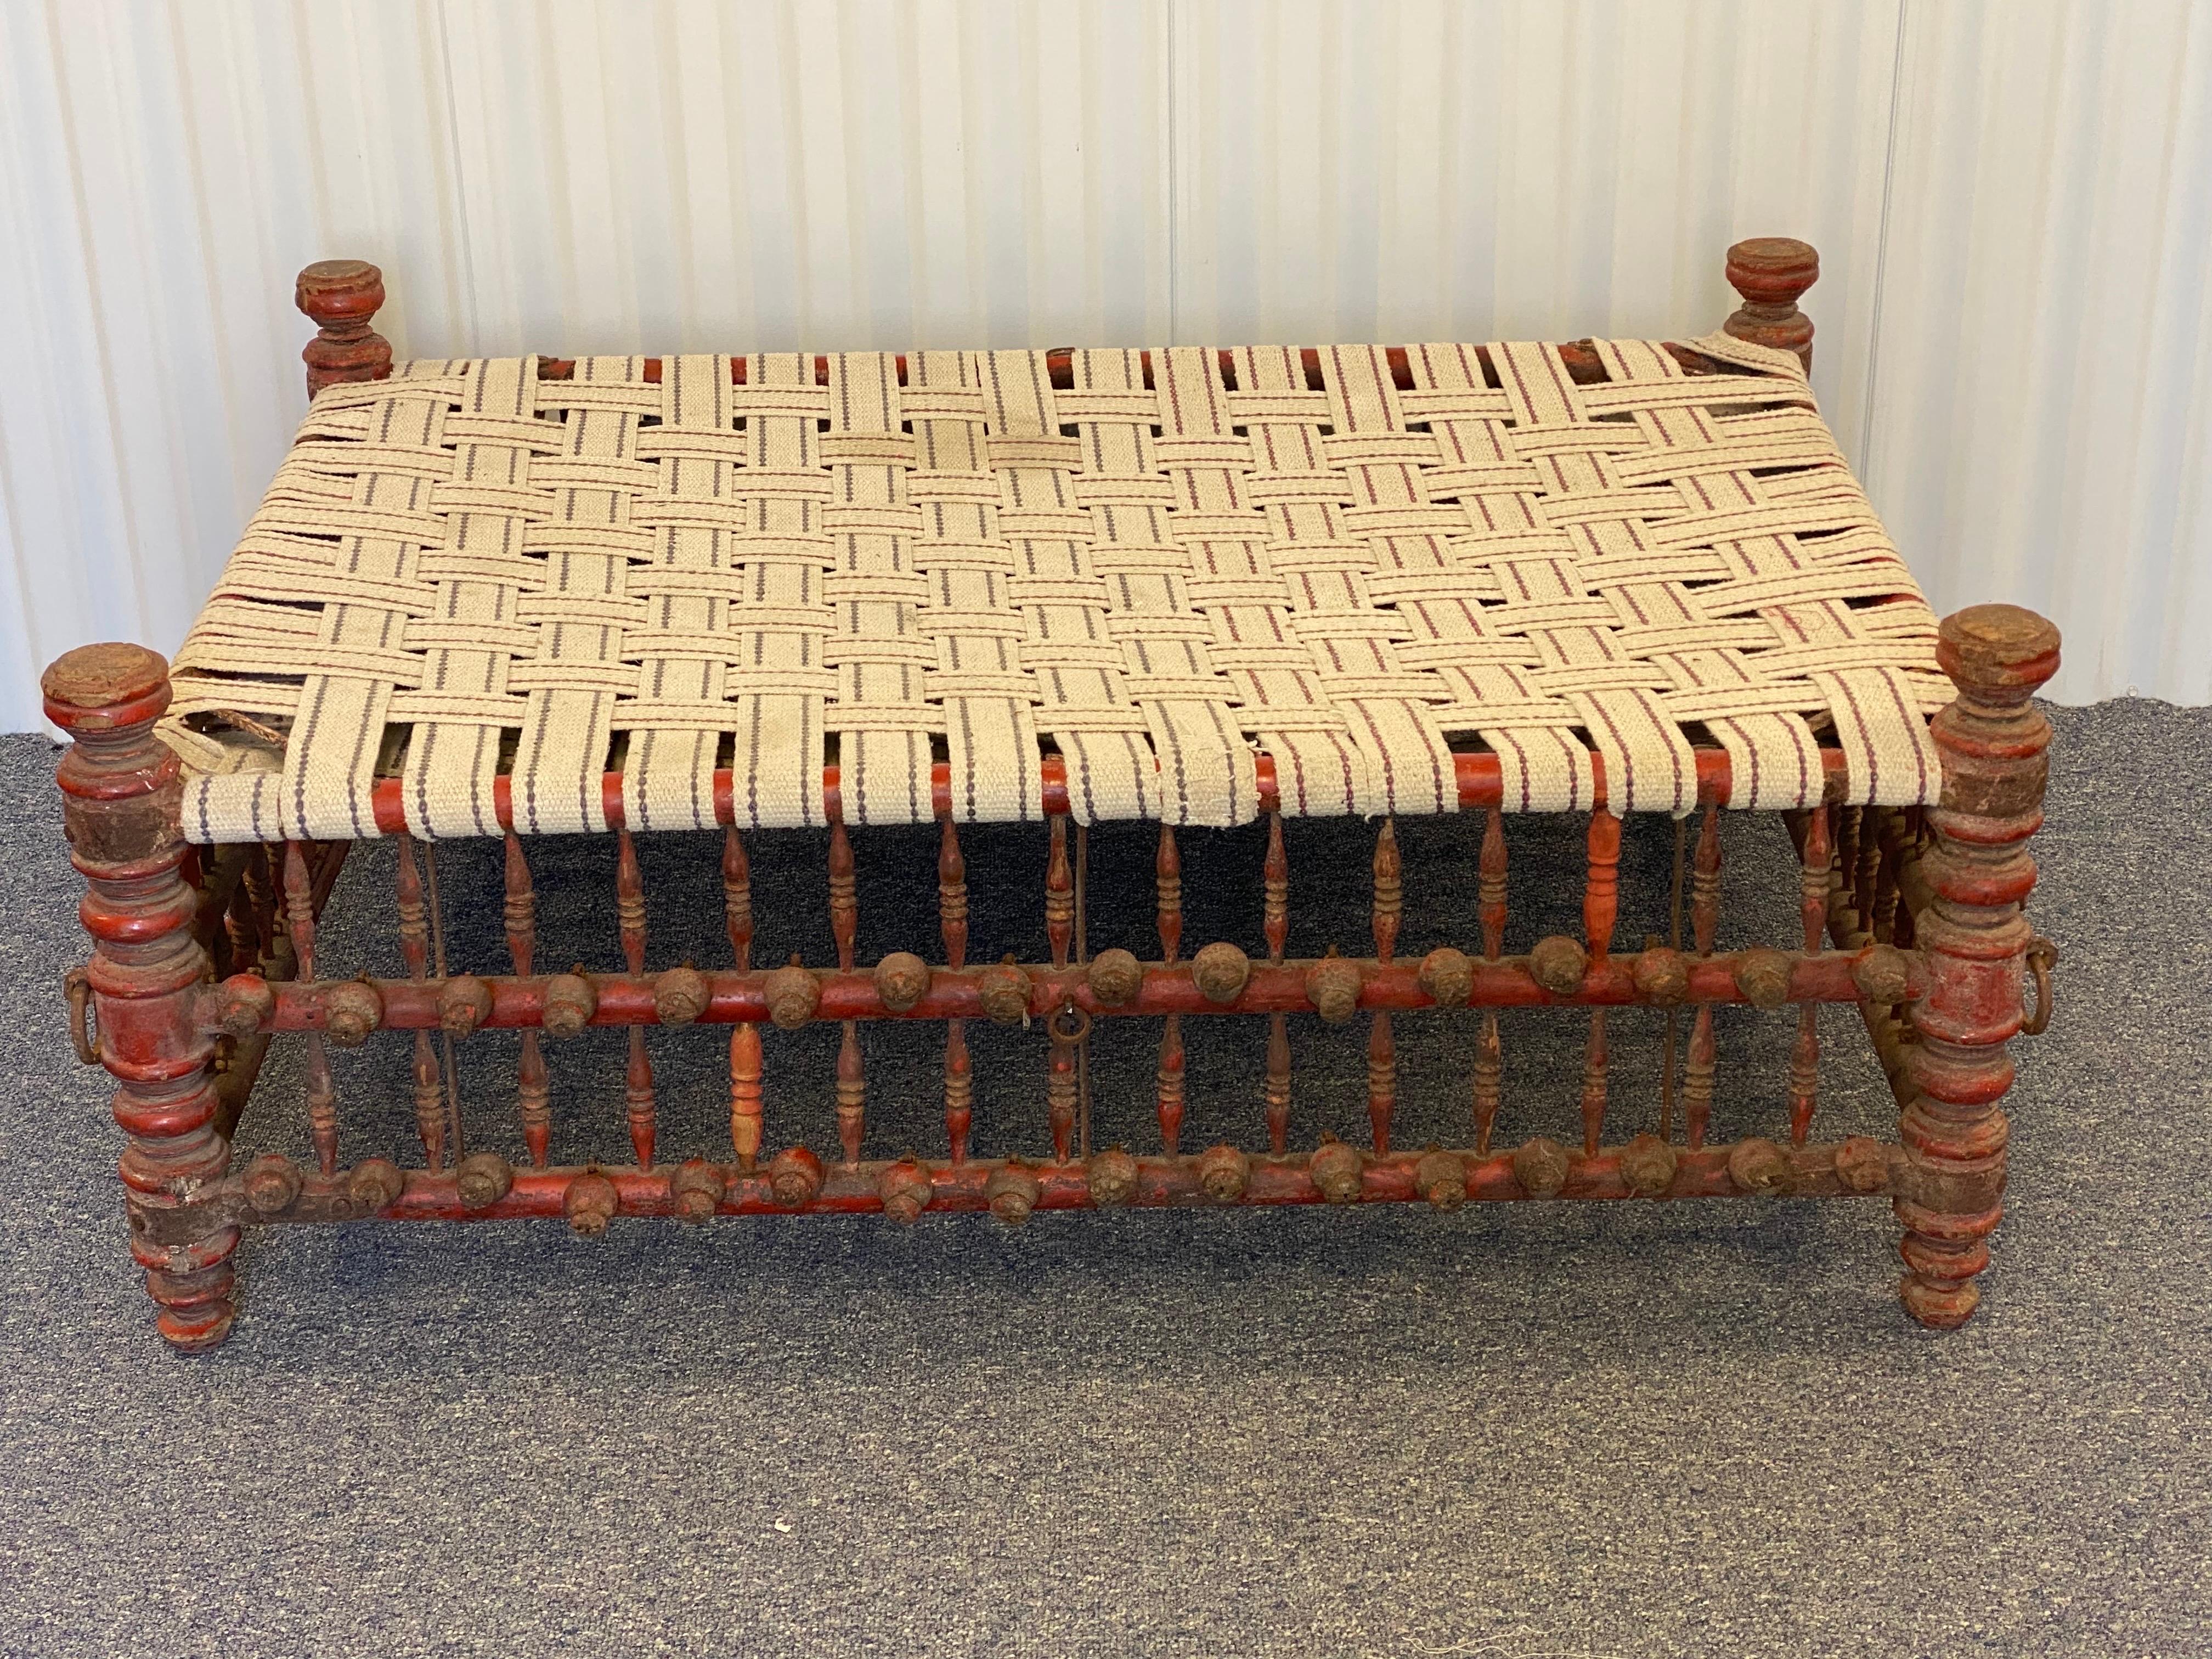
[342,296]
[1993,741]
[1772,273]
[120,794]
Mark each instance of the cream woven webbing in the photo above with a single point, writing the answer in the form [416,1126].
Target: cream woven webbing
[467,569]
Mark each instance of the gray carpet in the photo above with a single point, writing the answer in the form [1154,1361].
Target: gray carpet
[1521,1431]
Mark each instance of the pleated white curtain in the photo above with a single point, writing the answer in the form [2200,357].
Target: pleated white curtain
[2012,202]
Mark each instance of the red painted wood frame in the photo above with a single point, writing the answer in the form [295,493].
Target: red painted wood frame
[1914,917]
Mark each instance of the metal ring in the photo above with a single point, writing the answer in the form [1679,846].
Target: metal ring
[1082,1028]
[78,989]
[2042,958]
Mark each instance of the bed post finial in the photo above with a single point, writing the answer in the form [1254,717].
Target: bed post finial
[1770,272]
[342,296]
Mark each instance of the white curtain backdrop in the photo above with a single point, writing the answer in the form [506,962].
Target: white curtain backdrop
[2013,203]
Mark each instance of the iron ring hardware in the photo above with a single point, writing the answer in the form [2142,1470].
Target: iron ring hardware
[78,989]
[2042,958]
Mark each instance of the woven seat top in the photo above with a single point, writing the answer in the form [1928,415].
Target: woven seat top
[1144,572]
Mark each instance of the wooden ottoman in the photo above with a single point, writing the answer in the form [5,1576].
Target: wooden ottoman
[616,596]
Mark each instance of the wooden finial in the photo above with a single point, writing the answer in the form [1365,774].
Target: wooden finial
[342,296]
[99,687]
[1770,272]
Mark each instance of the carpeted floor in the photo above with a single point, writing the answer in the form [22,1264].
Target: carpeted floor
[1522,1430]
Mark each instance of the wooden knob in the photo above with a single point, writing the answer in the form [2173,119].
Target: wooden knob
[1762,977]
[1881,974]
[339,293]
[695,1190]
[1441,1178]
[1335,1168]
[244,1003]
[1558,965]
[1663,975]
[1758,1166]
[1223,1171]
[97,687]
[1116,977]
[342,296]
[792,994]
[1003,991]
[794,1176]
[1773,273]
[350,1012]
[464,1004]
[571,1002]
[1541,1166]
[902,981]
[680,996]
[1862,1164]
[1648,1165]
[1221,971]
[589,1203]
[905,1189]
[272,1181]
[375,1184]
[1448,976]
[1997,648]
[1332,987]
[1113,1177]
[482,1180]
[1011,1191]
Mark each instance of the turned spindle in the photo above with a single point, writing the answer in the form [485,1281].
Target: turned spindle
[844,928]
[1388,908]
[1705,926]
[953,924]
[737,899]
[342,297]
[1974,935]
[1841,917]
[415,950]
[1060,934]
[1489,1051]
[1773,273]
[637,1078]
[1600,911]
[1275,925]
[746,1112]
[1812,908]
[1866,876]
[1059,894]
[322,1091]
[1892,845]
[241,930]
[1167,881]
[532,1089]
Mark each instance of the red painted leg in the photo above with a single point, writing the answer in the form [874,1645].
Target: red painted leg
[1993,742]
[120,793]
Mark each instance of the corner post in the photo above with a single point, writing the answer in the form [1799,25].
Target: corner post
[342,296]
[121,790]
[1772,273]
[1993,743]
